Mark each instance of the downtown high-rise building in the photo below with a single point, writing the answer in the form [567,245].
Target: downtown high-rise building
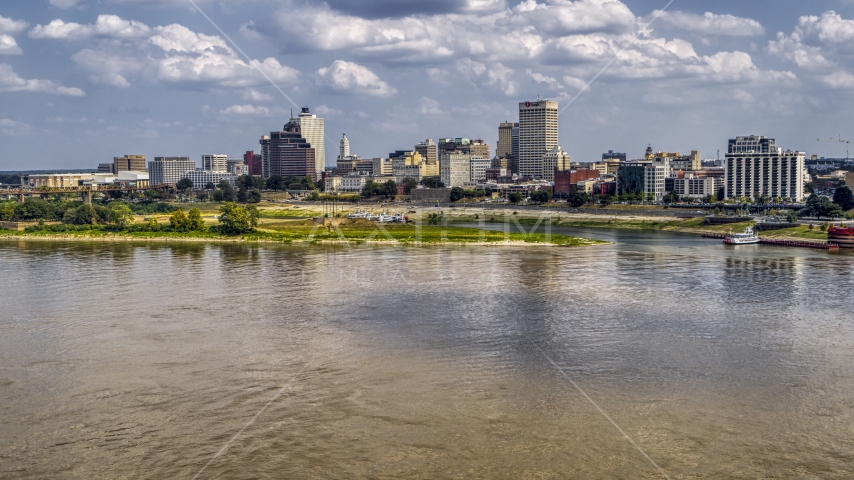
[479,148]
[312,130]
[343,147]
[555,160]
[216,162]
[755,166]
[168,170]
[538,134]
[428,150]
[288,153]
[455,168]
[254,161]
[504,147]
[129,163]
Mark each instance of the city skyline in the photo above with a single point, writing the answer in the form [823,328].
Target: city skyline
[106,79]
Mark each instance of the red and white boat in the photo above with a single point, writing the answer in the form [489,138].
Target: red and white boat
[842,236]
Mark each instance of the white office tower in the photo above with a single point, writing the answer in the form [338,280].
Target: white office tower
[343,148]
[168,170]
[311,129]
[215,163]
[537,135]
[478,168]
[756,167]
[555,158]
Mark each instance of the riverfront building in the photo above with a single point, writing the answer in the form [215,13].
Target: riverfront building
[690,163]
[554,159]
[504,148]
[344,147]
[455,169]
[411,164]
[644,178]
[479,148]
[128,163]
[691,186]
[201,178]
[254,161]
[478,167]
[168,170]
[288,153]
[755,167]
[612,155]
[566,181]
[215,162]
[312,130]
[538,133]
[428,150]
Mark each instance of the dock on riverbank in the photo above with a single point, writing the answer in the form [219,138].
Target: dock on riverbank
[784,242]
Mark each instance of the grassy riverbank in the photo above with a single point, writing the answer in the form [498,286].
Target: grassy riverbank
[694,225]
[298,232]
[290,223]
[560,218]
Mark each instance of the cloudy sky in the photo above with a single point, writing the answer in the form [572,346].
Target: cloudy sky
[82,81]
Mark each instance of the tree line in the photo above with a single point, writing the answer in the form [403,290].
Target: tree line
[75,211]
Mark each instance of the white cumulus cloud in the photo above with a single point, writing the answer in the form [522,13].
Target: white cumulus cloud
[552,38]
[352,78]
[839,80]
[8,46]
[14,128]
[711,23]
[110,80]
[792,48]
[246,110]
[438,76]
[134,52]
[540,78]
[429,106]
[255,96]
[326,111]
[817,43]
[830,27]
[11,82]
[495,75]
[110,26]
[562,17]
[12,27]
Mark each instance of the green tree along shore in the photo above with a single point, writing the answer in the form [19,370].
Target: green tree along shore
[58,209]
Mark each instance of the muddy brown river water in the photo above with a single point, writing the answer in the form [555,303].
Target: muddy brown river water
[234,361]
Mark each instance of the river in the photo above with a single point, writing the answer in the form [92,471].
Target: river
[236,361]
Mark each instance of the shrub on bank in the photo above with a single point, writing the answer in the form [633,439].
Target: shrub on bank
[62,228]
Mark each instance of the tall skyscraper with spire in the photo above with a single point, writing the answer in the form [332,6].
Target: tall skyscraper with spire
[343,147]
